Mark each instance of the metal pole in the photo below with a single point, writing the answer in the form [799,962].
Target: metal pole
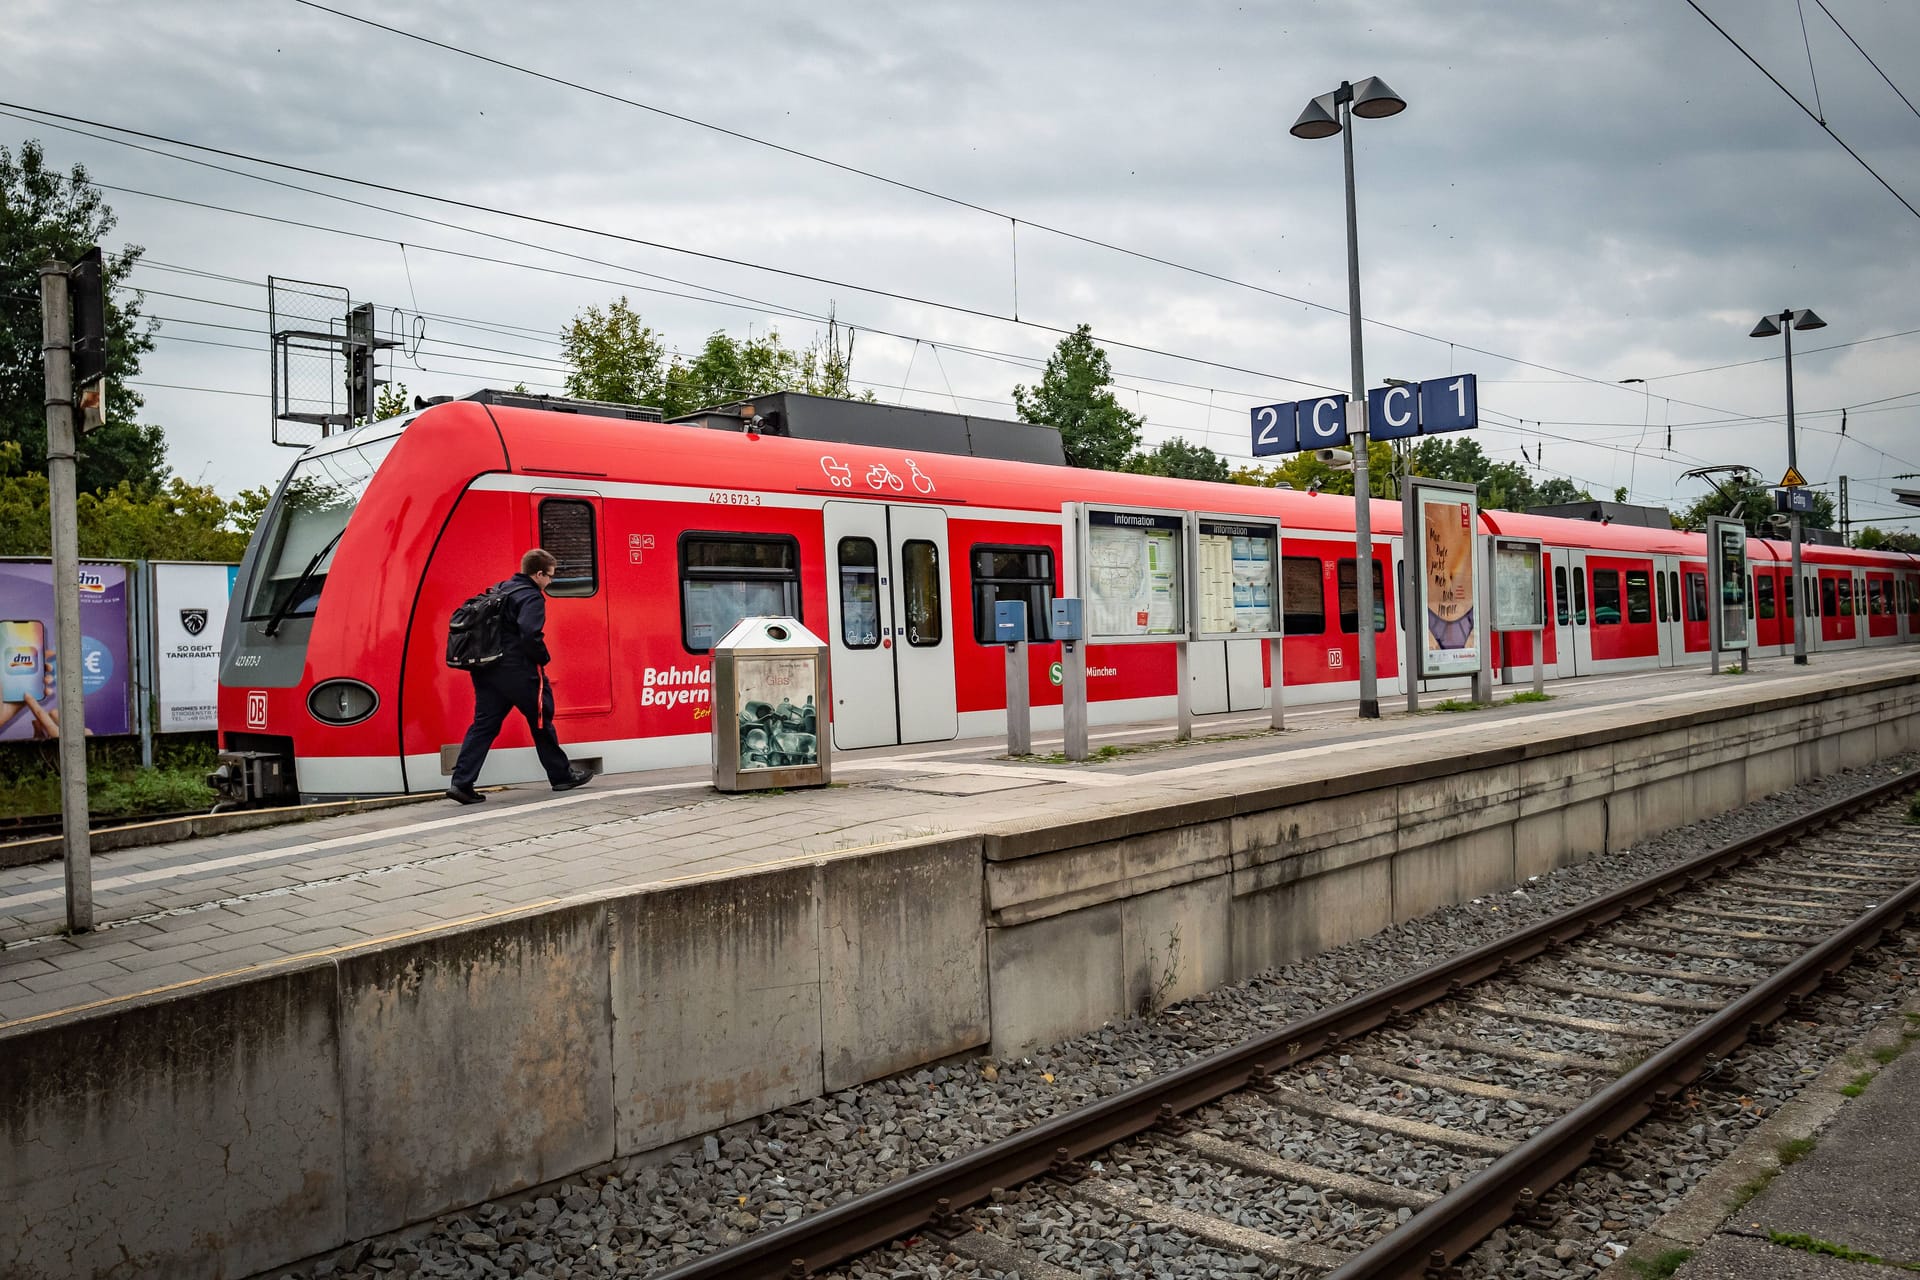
[1793,464]
[1073,698]
[56,347]
[1183,694]
[1277,676]
[1357,407]
[1019,701]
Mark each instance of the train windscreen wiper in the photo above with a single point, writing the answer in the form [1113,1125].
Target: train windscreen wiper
[281,610]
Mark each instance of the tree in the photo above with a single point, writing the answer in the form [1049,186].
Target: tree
[174,521]
[1075,396]
[46,215]
[1560,490]
[1751,502]
[1872,539]
[1181,460]
[615,356]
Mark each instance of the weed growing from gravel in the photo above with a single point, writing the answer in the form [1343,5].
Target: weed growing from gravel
[1457,704]
[1791,1152]
[1735,670]
[1857,1086]
[1795,1150]
[1827,1248]
[1530,696]
[1662,1266]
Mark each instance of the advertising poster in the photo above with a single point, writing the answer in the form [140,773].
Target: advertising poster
[1519,596]
[30,661]
[1450,636]
[776,732]
[1235,579]
[190,612]
[1134,585]
[1730,548]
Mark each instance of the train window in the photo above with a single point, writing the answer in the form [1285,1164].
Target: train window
[1606,597]
[1763,595]
[1811,597]
[1846,597]
[920,579]
[1303,595]
[1787,595]
[1560,594]
[1696,597]
[1639,596]
[566,529]
[859,593]
[1750,586]
[1350,598]
[725,577]
[1580,597]
[1660,593]
[1013,573]
[1829,600]
[308,516]
[1673,594]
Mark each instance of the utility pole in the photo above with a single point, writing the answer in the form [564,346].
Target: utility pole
[56,346]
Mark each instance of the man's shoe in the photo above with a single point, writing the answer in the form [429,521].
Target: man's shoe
[576,778]
[465,795]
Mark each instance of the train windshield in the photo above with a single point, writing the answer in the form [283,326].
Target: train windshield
[311,514]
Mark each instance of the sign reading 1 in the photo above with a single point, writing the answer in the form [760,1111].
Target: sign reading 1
[1393,413]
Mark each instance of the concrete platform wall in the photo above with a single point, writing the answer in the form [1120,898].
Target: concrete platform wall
[240,1124]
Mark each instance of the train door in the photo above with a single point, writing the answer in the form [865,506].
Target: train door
[1565,662]
[1882,628]
[1666,610]
[567,522]
[891,624]
[1836,608]
[1693,592]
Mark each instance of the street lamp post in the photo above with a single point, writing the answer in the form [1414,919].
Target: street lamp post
[1783,325]
[1370,99]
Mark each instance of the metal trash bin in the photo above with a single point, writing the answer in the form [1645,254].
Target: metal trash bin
[770,694]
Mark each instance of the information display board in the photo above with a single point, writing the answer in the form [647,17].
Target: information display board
[1443,517]
[1236,577]
[1519,591]
[29,657]
[1134,564]
[189,616]
[1727,580]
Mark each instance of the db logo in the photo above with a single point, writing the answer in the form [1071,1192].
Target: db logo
[256,708]
[1336,658]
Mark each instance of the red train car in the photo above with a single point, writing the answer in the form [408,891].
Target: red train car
[332,678]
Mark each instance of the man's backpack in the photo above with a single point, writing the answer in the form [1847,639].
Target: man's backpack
[477,632]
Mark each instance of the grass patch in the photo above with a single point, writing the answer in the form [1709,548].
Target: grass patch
[1790,1153]
[1457,704]
[115,793]
[1662,1266]
[1796,1150]
[1530,696]
[1857,1086]
[1735,670]
[1828,1249]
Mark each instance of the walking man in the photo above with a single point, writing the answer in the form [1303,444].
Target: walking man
[517,682]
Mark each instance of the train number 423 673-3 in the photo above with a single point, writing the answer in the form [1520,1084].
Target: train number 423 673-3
[732,498]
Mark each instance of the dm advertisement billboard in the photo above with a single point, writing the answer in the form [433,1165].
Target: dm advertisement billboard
[30,658]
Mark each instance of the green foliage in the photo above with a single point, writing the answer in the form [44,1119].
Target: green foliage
[1751,502]
[617,357]
[1528,695]
[174,521]
[1302,469]
[1503,486]
[1794,1150]
[1182,461]
[1459,704]
[1075,396]
[1872,539]
[1828,1249]
[1857,1086]
[117,785]
[1662,1266]
[44,215]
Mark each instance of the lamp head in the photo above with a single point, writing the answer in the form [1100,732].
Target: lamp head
[1318,120]
[1765,329]
[1807,320]
[1373,100]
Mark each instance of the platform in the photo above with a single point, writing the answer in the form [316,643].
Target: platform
[318,1033]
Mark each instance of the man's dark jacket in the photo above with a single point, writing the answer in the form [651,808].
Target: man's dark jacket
[524,651]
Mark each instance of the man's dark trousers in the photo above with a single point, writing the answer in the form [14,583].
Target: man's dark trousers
[496,691]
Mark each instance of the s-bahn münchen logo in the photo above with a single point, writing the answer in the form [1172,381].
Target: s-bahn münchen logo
[194,620]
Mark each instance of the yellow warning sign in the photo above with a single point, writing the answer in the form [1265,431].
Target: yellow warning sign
[1792,478]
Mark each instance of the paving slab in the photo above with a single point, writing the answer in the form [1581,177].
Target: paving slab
[1858,1188]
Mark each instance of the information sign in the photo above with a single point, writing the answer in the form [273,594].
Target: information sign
[1236,587]
[1519,593]
[1135,576]
[1444,517]
[1793,500]
[1275,430]
[1449,404]
[1393,413]
[1323,422]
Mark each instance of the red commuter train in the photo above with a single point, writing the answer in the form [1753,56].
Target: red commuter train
[332,675]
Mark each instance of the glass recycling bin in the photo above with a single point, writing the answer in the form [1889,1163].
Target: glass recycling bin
[770,694]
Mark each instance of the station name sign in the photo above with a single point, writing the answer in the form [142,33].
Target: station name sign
[1393,413]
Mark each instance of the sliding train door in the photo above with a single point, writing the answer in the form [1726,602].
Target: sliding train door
[891,624]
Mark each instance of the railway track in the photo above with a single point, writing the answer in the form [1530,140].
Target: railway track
[1386,1136]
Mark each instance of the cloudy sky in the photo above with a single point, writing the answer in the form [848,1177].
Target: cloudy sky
[1579,193]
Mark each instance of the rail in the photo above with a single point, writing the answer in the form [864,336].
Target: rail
[1448,1227]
